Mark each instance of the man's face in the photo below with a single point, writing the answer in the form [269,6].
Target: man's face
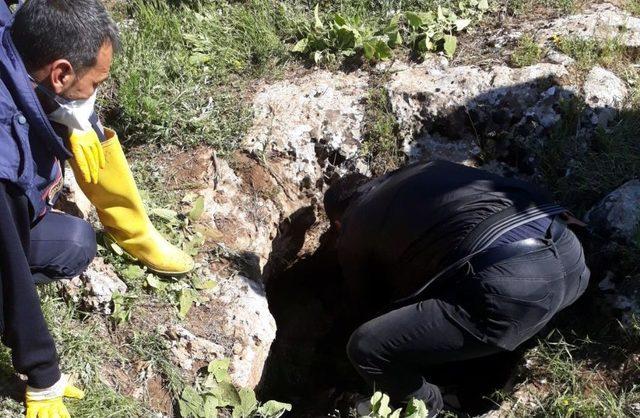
[60,78]
[84,85]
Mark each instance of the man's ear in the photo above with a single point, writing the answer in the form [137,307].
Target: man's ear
[61,76]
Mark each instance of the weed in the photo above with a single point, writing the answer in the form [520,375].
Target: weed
[382,145]
[425,32]
[433,31]
[588,52]
[153,349]
[574,388]
[342,37]
[580,172]
[527,52]
[380,408]
[522,7]
[633,6]
[214,391]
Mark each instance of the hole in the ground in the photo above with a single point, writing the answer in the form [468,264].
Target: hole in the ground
[308,366]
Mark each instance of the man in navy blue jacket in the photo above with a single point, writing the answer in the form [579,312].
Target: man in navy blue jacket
[35,243]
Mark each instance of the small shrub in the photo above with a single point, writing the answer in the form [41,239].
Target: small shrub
[340,37]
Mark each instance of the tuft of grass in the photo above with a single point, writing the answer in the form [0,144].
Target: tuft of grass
[522,7]
[382,146]
[154,350]
[588,52]
[633,7]
[82,352]
[572,387]
[527,52]
[79,341]
[103,402]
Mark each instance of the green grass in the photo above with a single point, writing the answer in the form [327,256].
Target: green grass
[633,7]
[83,352]
[186,68]
[382,146]
[580,175]
[183,71]
[527,52]
[522,7]
[588,52]
[154,350]
[103,402]
[572,386]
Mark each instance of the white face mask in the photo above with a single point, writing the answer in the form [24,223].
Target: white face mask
[74,114]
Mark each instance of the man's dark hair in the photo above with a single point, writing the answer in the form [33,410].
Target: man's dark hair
[341,193]
[47,30]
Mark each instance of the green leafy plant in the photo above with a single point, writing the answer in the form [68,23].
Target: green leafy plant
[342,36]
[435,31]
[122,307]
[380,408]
[214,391]
[432,31]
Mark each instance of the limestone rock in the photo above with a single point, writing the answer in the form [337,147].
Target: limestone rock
[251,326]
[309,125]
[602,88]
[188,348]
[95,287]
[600,21]
[443,111]
[617,216]
[242,208]
[556,57]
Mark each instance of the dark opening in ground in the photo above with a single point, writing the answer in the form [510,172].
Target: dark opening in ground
[308,365]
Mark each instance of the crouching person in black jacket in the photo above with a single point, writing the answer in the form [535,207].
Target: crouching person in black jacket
[445,263]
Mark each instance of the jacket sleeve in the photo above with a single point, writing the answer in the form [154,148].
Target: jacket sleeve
[25,330]
[5,12]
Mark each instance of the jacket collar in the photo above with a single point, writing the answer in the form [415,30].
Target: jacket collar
[14,76]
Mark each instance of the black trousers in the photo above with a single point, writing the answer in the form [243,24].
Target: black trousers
[61,247]
[488,312]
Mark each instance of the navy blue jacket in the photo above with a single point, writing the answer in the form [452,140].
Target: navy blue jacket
[30,176]
[30,150]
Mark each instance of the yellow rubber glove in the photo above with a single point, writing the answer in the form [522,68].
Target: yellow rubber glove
[47,403]
[87,151]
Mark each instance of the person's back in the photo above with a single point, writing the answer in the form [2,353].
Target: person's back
[412,223]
